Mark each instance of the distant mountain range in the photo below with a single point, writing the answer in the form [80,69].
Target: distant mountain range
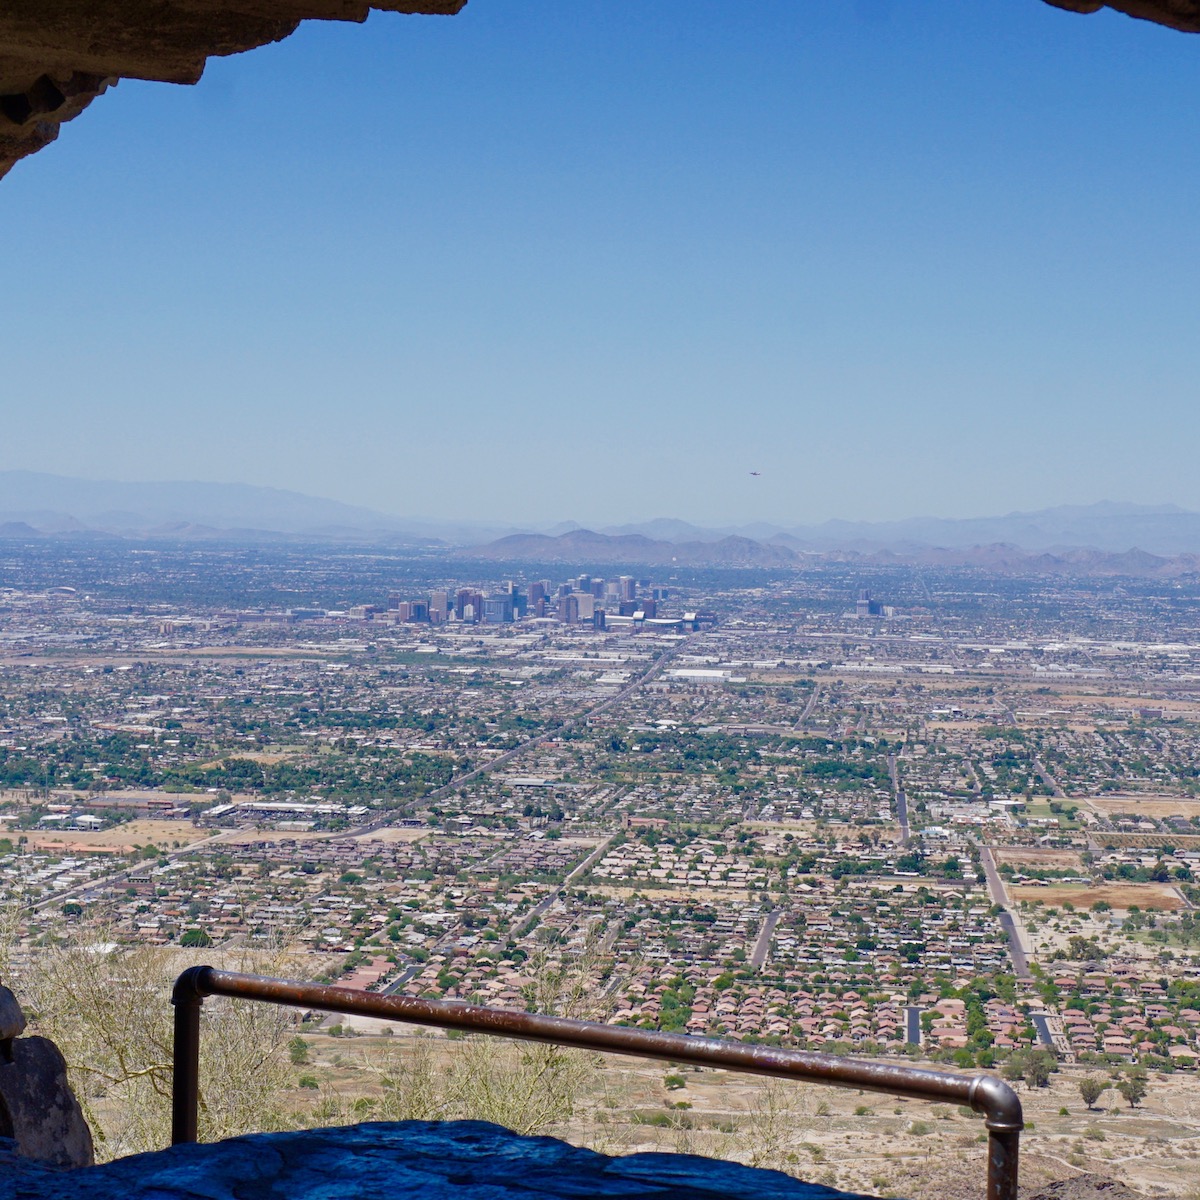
[584,546]
[33,503]
[1158,529]
[1105,538]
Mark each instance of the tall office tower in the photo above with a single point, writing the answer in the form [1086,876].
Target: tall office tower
[468,599]
[598,619]
[439,606]
[403,610]
[661,593]
[498,609]
[612,591]
[568,609]
[394,599]
[628,586]
[586,605]
[649,607]
[863,607]
[564,589]
[537,591]
[598,588]
[583,583]
[418,610]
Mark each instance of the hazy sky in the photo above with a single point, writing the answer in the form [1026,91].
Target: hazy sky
[599,260]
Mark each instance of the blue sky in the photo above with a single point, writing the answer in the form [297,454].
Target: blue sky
[593,260]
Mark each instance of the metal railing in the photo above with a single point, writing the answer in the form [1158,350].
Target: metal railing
[985,1094]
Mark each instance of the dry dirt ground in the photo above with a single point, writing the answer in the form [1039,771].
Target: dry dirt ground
[1147,805]
[393,834]
[1038,856]
[132,833]
[1118,895]
[873,1144]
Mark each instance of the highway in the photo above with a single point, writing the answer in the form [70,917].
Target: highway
[806,712]
[88,889]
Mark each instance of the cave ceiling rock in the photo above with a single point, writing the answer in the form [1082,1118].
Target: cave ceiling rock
[56,56]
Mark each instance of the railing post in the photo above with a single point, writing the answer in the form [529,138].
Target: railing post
[1001,1107]
[187,997]
[1003,1151]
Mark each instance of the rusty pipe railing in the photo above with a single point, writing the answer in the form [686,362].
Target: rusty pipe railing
[985,1094]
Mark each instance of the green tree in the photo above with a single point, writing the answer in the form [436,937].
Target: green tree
[1133,1089]
[1091,1088]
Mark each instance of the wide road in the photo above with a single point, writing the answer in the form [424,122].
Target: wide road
[999,896]
[806,712]
[543,904]
[1043,1030]
[447,940]
[1049,780]
[901,798]
[88,890]
[912,1026]
[762,945]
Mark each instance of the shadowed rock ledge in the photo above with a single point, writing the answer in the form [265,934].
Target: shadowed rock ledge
[56,56]
[1178,14]
[409,1160]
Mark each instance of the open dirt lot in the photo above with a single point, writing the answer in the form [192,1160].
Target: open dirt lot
[1120,895]
[1038,856]
[135,833]
[390,836]
[1149,805]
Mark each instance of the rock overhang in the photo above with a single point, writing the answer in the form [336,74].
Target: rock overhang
[56,56]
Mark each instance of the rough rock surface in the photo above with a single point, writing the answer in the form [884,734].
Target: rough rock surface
[410,1160]
[12,1019]
[1178,14]
[1087,1187]
[38,1110]
[56,56]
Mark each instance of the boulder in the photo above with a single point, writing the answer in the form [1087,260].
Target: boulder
[38,1110]
[12,1019]
[407,1160]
